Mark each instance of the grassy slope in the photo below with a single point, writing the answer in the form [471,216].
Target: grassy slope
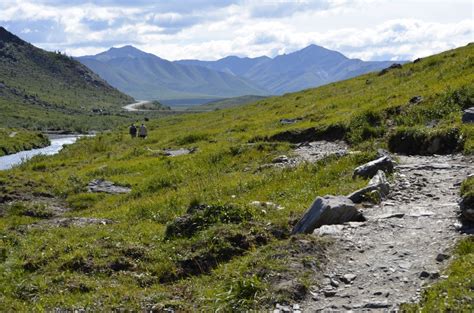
[227,103]
[77,267]
[14,140]
[40,89]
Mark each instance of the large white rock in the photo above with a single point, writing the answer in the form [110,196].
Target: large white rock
[368,170]
[327,210]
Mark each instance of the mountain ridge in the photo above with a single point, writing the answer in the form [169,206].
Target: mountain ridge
[41,89]
[147,76]
[309,67]
[230,76]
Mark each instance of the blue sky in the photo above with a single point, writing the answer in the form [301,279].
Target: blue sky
[211,29]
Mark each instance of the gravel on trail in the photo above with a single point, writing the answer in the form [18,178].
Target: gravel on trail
[404,244]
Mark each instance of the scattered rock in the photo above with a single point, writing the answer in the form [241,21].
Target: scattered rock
[328,230]
[71,221]
[327,210]
[266,205]
[391,67]
[371,168]
[378,184]
[99,185]
[281,159]
[334,283]
[178,152]
[348,278]
[318,150]
[286,121]
[441,257]
[329,293]
[429,275]
[467,209]
[416,100]
[468,115]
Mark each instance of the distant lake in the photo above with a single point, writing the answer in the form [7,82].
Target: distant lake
[9,161]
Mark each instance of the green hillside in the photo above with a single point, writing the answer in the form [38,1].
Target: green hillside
[227,103]
[15,140]
[223,253]
[40,89]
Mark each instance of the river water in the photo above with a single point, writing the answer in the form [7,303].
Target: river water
[9,161]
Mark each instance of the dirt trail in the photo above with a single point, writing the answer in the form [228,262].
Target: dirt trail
[133,106]
[404,245]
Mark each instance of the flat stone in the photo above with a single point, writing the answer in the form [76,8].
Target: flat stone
[368,170]
[348,278]
[99,185]
[327,210]
[328,230]
[178,152]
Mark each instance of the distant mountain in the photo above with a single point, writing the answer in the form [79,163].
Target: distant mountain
[40,89]
[146,76]
[232,64]
[310,67]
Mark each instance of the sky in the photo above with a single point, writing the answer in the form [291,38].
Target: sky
[212,29]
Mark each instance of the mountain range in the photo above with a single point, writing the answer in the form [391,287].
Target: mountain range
[310,67]
[146,76]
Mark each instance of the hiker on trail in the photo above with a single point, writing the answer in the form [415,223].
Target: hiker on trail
[143,132]
[133,130]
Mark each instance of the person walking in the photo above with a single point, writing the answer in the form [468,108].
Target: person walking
[143,132]
[132,131]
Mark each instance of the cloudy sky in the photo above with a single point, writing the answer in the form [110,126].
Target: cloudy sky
[211,29]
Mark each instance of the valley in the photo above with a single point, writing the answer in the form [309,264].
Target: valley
[201,215]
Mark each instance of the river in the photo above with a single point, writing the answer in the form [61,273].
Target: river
[57,142]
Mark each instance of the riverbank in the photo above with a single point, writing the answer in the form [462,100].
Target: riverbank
[56,144]
[15,140]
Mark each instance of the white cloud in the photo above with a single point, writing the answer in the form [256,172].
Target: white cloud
[209,29]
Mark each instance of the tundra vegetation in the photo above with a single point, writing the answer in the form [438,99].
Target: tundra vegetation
[15,140]
[186,236]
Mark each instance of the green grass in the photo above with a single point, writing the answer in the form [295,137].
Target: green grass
[15,140]
[132,264]
[46,90]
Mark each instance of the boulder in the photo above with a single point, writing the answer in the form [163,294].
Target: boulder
[327,210]
[100,185]
[371,168]
[468,115]
[391,67]
[378,184]
[281,159]
[467,209]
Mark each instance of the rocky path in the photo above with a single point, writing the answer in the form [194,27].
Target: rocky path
[404,244]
